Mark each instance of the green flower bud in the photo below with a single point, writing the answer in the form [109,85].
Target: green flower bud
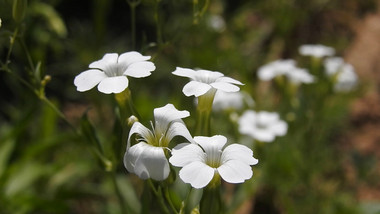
[19,9]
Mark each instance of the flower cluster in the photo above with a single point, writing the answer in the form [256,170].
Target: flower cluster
[202,158]
[340,73]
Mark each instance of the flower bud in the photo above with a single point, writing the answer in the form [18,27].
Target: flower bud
[19,9]
[131,120]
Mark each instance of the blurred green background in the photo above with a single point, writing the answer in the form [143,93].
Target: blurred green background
[46,168]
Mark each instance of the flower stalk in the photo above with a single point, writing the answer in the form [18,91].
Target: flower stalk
[204,109]
[211,201]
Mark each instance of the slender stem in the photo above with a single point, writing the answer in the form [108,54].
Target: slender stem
[133,4]
[120,197]
[184,203]
[133,26]
[202,127]
[59,113]
[159,196]
[204,8]
[158,26]
[169,200]
[204,109]
[211,201]
[12,41]
[28,56]
[195,11]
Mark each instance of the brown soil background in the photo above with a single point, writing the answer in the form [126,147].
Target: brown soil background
[364,137]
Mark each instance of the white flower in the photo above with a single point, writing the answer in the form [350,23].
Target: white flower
[317,51]
[202,160]
[110,73]
[203,81]
[147,158]
[231,100]
[300,75]
[333,65]
[346,78]
[263,126]
[286,68]
[276,68]
[217,23]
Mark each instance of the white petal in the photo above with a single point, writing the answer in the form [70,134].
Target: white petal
[184,72]
[131,57]
[229,80]
[263,135]
[208,76]
[198,174]
[140,69]
[280,128]
[195,88]
[113,84]
[266,73]
[248,118]
[169,113]
[215,142]
[132,154]
[88,79]
[235,171]
[264,117]
[225,86]
[105,62]
[185,153]
[138,128]
[152,163]
[178,129]
[238,152]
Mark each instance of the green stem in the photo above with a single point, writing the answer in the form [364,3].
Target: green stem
[204,108]
[157,20]
[28,56]
[204,8]
[169,200]
[120,197]
[211,201]
[195,11]
[12,41]
[133,4]
[202,126]
[159,196]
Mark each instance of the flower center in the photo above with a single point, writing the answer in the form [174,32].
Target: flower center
[205,77]
[261,125]
[213,157]
[114,70]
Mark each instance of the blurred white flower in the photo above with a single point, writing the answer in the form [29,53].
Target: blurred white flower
[344,74]
[231,100]
[110,73]
[147,158]
[300,75]
[203,160]
[217,23]
[286,68]
[202,81]
[276,68]
[262,126]
[317,51]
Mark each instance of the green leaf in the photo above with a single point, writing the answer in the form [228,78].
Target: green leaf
[6,149]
